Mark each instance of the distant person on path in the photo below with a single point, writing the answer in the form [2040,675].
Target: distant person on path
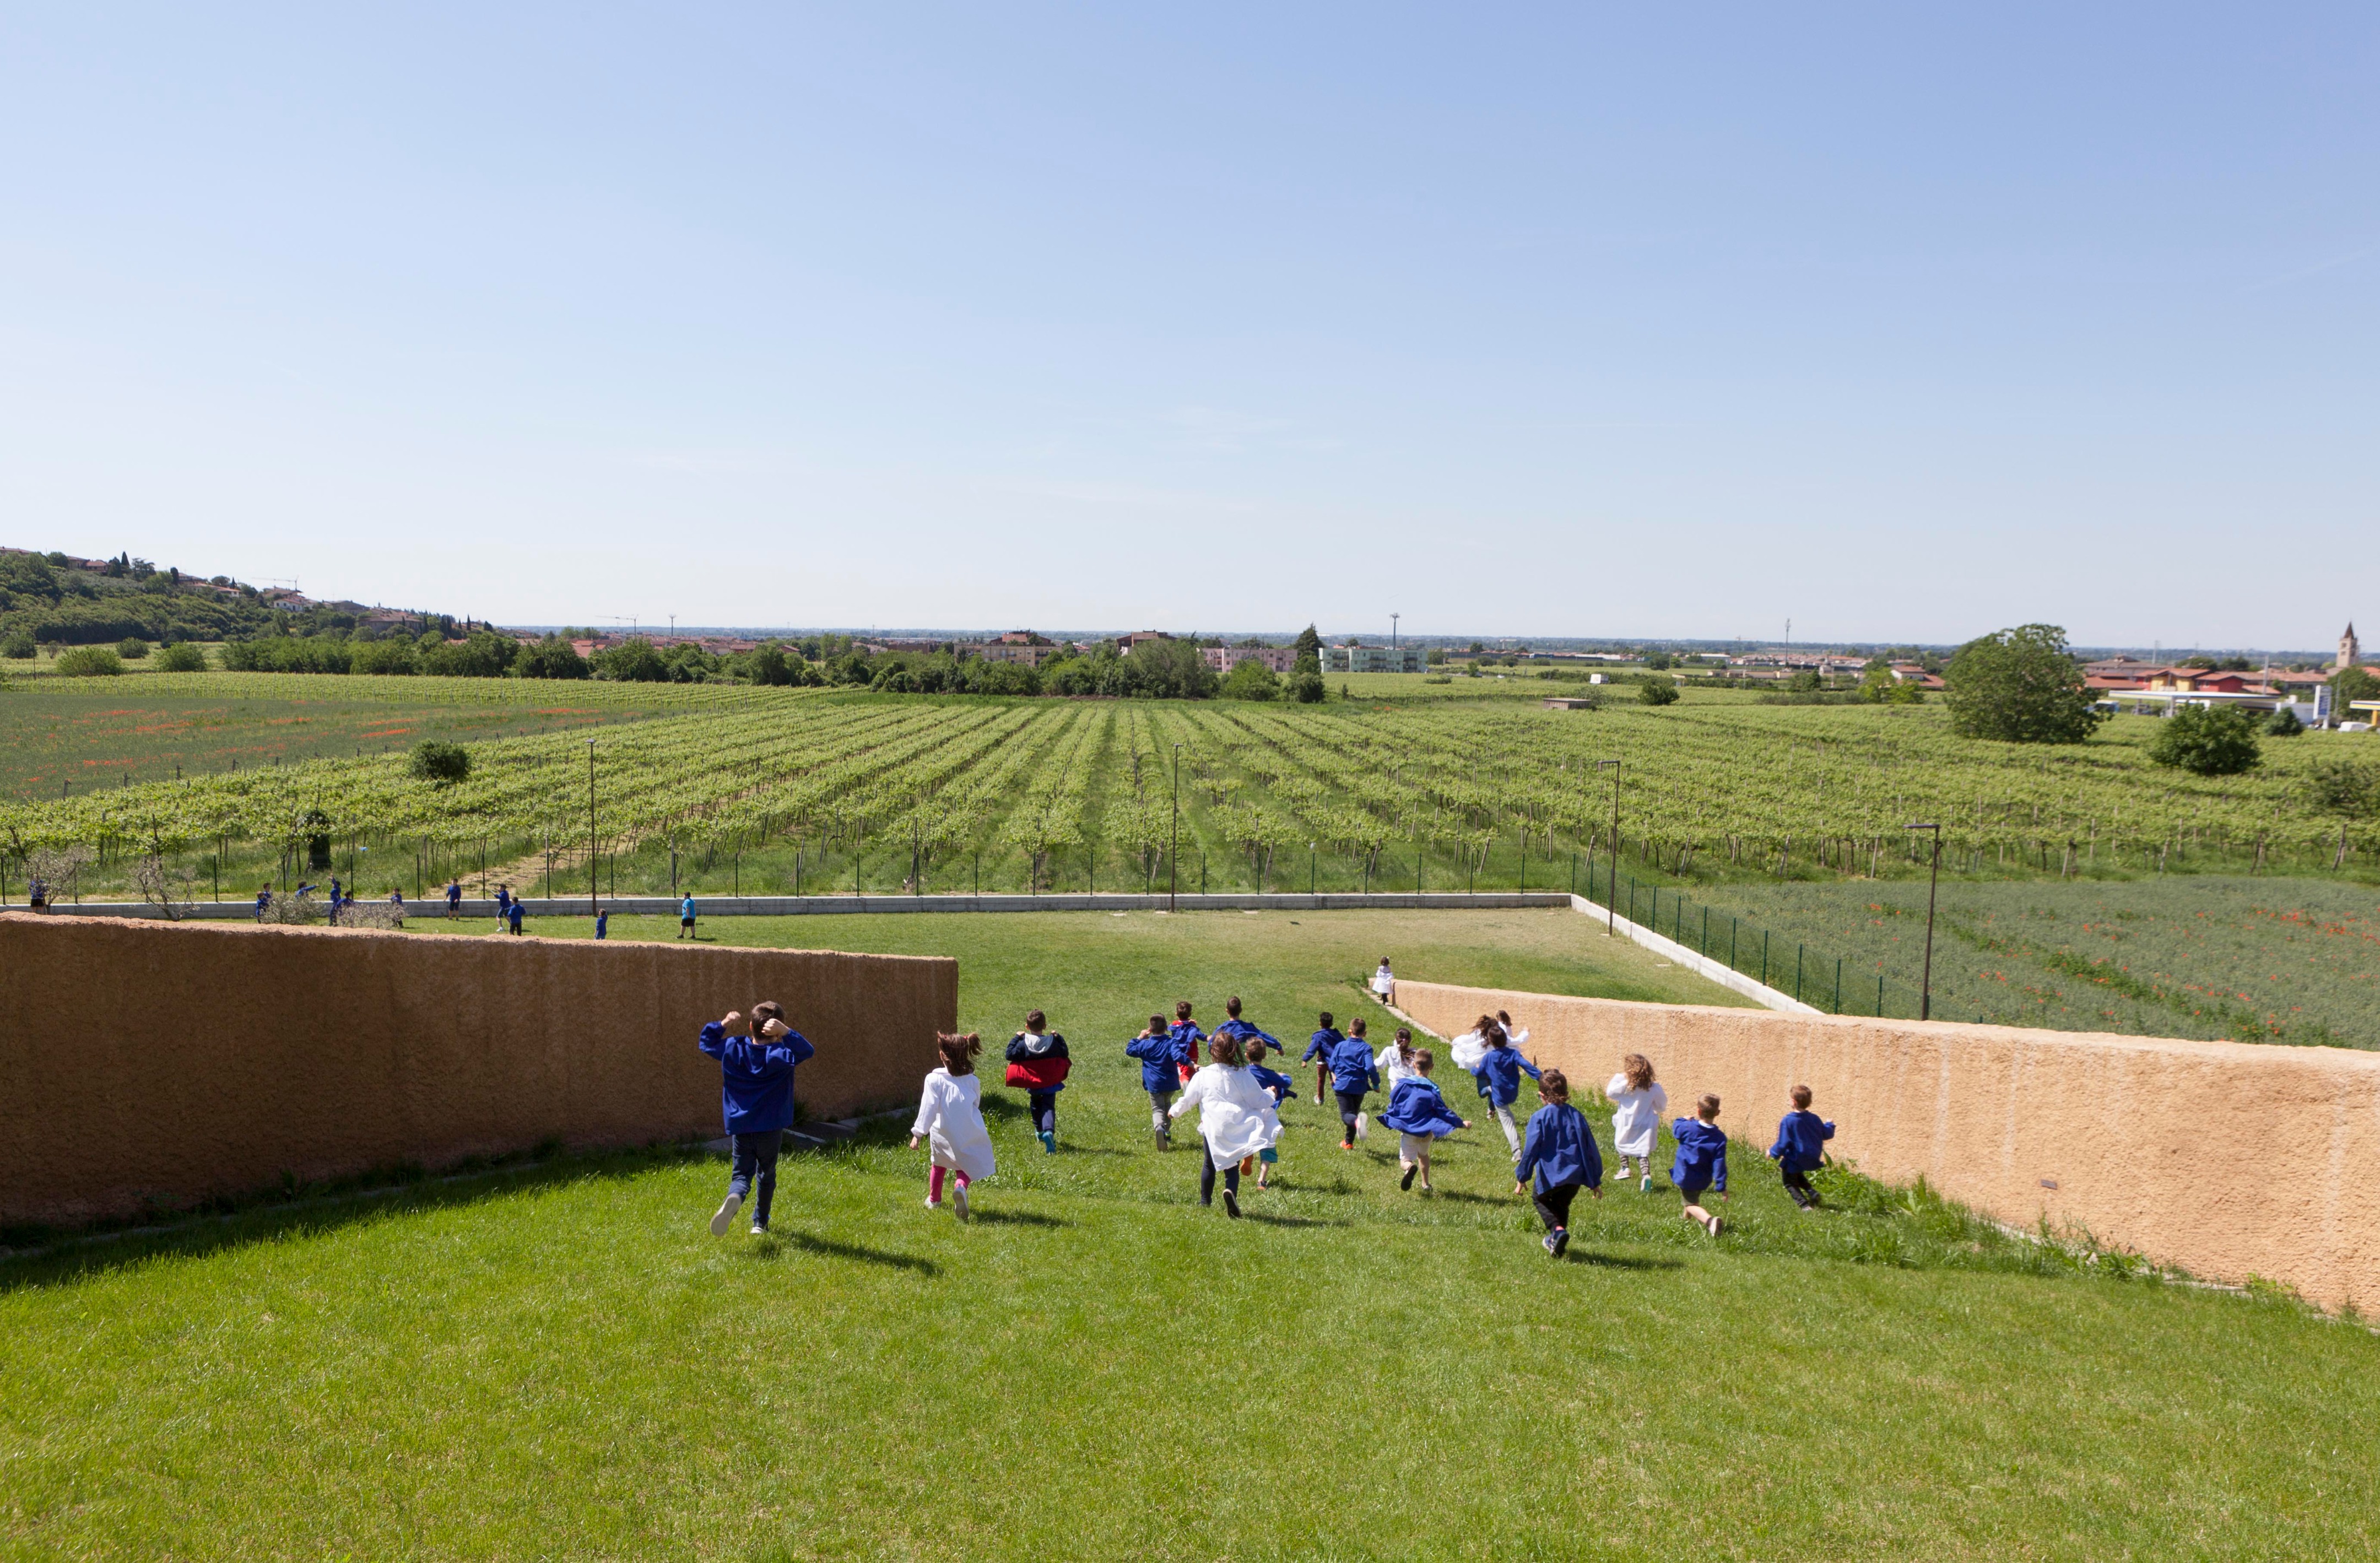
[1160,1074]
[1396,1060]
[1235,1119]
[756,1094]
[1801,1148]
[1279,1087]
[1558,1159]
[1637,1104]
[453,899]
[604,923]
[37,894]
[264,903]
[1037,1064]
[1187,1040]
[1500,1068]
[1702,1162]
[1421,1118]
[503,902]
[686,916]
[950,1118]
[513,915]
[1352,1075]
[1384,983]
[1319,1049]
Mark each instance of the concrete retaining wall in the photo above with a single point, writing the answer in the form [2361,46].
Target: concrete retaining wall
[142,1063]
[830,905]
[2229,1159]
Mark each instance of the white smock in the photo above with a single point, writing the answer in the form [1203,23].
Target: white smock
[1468,1049]
[950,1115]
[1235,1116]
[1393,1069]
[1636,1115]
[1383,982]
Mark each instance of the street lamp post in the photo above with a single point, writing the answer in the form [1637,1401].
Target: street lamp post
[1174,848]
[1612,910]
[1925,993]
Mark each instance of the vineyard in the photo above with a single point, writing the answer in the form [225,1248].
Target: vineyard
[759,789]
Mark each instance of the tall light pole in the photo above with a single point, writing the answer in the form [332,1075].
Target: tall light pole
[594,906]
[1392,630]
[1926,994]
[1174,849]
[1611,907]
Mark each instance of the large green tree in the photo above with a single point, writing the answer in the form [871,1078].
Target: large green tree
[2207,740]
[2019,686]
[1305,674]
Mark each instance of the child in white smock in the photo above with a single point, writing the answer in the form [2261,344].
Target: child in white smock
[950,1116]
[1637,1104]
[1235,1119]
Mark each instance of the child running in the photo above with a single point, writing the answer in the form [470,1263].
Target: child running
[950,1117]
[1235,1119]
[757,1095]
[1279,1087]
[1319,1048]
[1396,1060]
[1384,983]
[1246,1032]
[1187,1040]
[1500,1068]
[1801,1148]
[1702,1162]
[1421,1118]
[1160,1074]
[1558,1159]
[1038,1063]
[1637,1104]
[1353,1075]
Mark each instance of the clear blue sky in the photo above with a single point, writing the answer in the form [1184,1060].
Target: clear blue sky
[1540,320]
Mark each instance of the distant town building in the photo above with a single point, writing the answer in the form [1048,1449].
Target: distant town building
[2350,651]
[1223,658]
[1126,642]
[1356,659]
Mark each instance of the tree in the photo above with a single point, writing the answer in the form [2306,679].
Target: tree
[2351,684]
[1306,685]
[2285,724]
[1169,669]
[2207,740]
[1251,681]
[1878,686]
[2020,687]
[440,763]
[1659,661]
[1658,689]
[17,645]
[89,661]
[2345,788]
[633,661]
[181,657]
[132,648]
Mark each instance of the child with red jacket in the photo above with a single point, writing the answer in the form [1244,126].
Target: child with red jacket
[1038,1063]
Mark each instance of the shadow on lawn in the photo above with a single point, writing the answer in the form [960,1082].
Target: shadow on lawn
[1015,1218]
[772,1246]
[1620,1261]
[364,1198]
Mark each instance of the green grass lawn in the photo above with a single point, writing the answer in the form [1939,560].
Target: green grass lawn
[559,1360]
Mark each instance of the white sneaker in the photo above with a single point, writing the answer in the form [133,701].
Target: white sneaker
[933,1204]
[1363,1126]
[760,1230]
[726,1216]
[1715,1223]
[959,1201]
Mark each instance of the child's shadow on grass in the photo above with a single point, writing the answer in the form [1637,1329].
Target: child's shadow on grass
[1620,1261]
[770,1246]
[1017,1218]
[1458,1197]
[1289,1220]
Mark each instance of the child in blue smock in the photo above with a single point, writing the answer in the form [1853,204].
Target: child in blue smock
[1499,1071]
[1318,1053]
[1558,1157]
[1160,1074]
[756,1093]
[1702,1162]
[1244,1030]
[1187,1042]
[1421,1118]
[1353,1075]
[1801,1148]
[1279,1087]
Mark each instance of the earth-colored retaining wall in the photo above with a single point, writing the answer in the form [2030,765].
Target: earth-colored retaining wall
[143,1063]
[2229,1159]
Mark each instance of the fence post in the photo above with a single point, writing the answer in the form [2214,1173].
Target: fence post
[1764,957]
[1838,985]
[1797,973]
[1879,995]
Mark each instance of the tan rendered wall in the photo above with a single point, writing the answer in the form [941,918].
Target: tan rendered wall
[2229,1159]
[142,1060]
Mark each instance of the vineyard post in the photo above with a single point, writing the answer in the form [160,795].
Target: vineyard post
[1173,851]
[1925,995]
[1611,918]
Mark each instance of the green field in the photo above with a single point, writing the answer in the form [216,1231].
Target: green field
[558,1360]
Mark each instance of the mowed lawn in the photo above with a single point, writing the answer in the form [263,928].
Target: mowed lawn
[559,1360]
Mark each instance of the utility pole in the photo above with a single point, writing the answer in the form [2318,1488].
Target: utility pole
[1173,851]
[1392,630]
[594,905]
[1612,910]
[1925,993]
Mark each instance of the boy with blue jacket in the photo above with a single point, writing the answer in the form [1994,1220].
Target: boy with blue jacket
[1558,1157]
[1702,1162]
[1188,1042]
[1352,1074]
[1160,1074]
[756,1075]
[1499,1071]
[1318,1053]
[1421,1118]
[1801,1148]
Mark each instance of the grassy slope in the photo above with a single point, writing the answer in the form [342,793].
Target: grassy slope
[560,1360]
